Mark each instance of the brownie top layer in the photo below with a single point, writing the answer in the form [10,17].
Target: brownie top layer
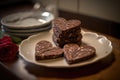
[42,46]
[63,24]
[51,52]
[75,53]
[45,50]
[59,21]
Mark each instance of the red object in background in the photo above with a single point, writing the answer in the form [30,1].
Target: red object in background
[8,49]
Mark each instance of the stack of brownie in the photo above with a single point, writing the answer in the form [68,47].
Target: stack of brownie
[66,31]
[67,37]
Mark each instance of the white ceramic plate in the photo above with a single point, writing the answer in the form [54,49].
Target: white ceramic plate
[27,20]
[27,49]
[27,31]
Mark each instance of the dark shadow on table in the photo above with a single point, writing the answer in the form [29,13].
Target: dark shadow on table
[71,72]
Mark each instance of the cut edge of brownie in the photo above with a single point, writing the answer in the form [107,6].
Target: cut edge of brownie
[61,42]
[81,60]
[66,35]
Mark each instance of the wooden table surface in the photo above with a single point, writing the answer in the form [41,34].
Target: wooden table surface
[105,69]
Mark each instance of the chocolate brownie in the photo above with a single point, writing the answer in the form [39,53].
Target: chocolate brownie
[64,29]
[67,35]
[63,25]
[52,53]
[58,21]
[44,50]
[42,46]
[74,53]
[60,42]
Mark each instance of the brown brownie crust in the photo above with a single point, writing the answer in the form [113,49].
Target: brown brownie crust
[60,42]
[42,46]
[66,31]
[64,25]
[45,50]
[70,34]
[52,53]
[74,53]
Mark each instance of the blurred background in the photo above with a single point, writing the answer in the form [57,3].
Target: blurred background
[107,11]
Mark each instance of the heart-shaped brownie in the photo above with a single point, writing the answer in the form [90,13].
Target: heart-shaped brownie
[64,24]
[45,50]
[74,53]
[62,27]
[66,31]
